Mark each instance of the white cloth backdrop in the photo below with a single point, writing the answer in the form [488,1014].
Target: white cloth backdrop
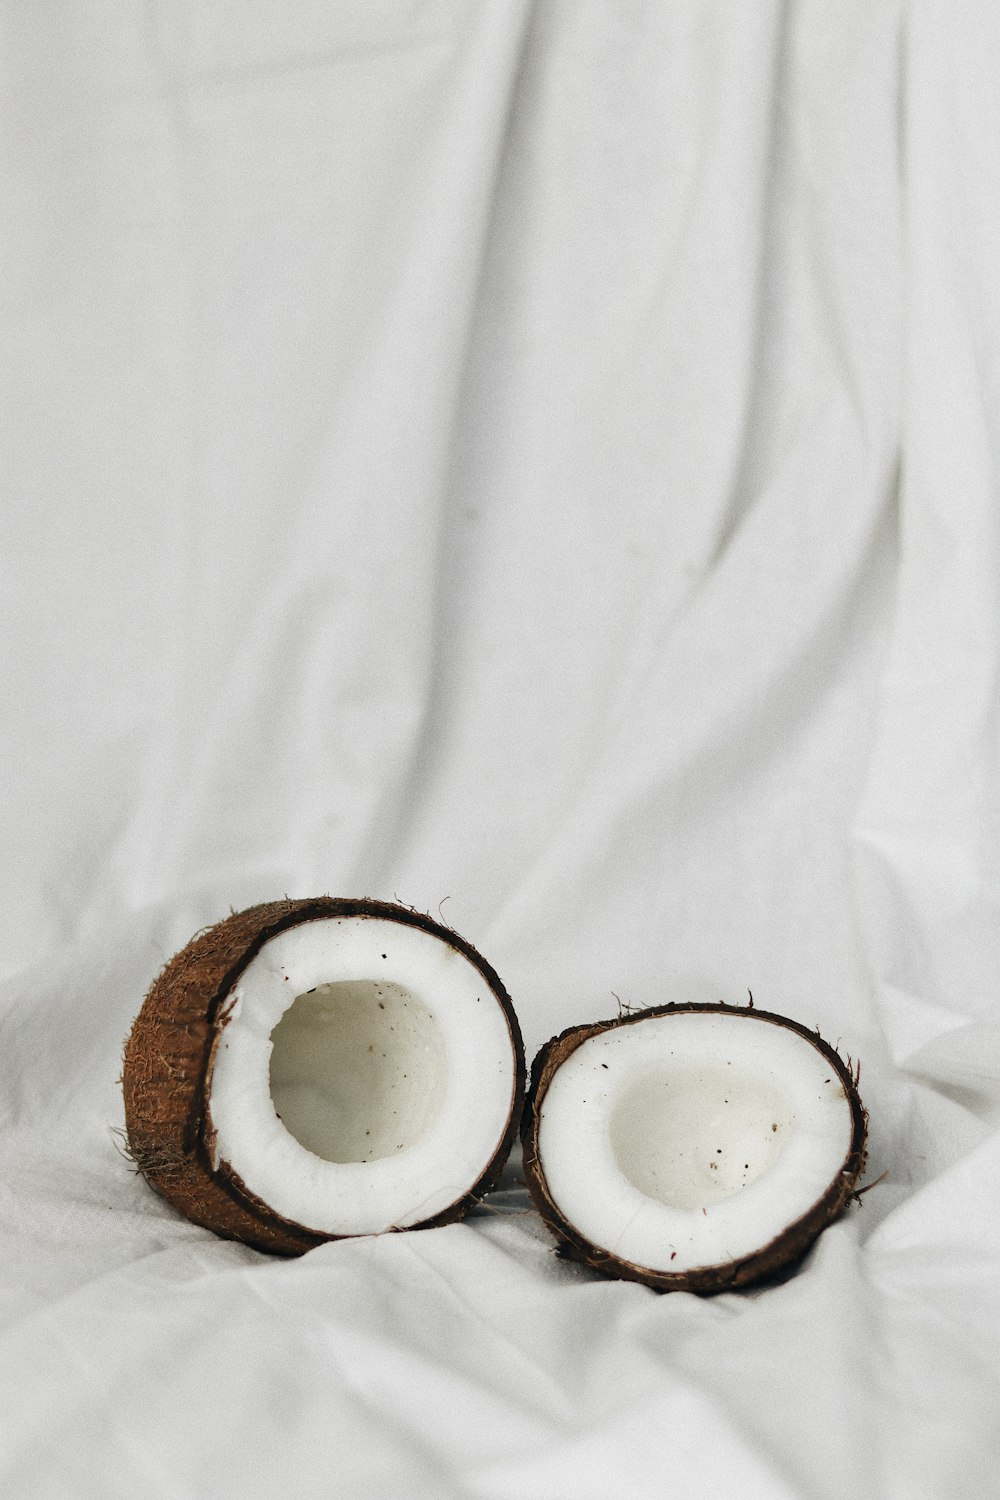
[544,458]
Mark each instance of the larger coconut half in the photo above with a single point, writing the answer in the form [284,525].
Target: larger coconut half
[307,1070]
[692,1147]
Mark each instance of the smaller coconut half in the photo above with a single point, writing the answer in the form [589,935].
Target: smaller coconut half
[691,1147]
[311,1070]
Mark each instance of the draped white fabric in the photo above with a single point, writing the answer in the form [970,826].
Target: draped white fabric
[540,461]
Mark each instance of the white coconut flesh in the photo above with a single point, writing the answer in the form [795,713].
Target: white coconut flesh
[364,1078]
[691,1140]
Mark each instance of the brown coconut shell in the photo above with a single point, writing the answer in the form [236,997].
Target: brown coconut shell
[780,1254]
[168,1063]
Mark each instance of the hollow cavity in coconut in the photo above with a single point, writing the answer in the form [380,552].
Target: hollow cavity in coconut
[308,1070]
[691,1147]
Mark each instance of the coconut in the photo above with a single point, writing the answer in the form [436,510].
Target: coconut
[692,1147]
[309,1070]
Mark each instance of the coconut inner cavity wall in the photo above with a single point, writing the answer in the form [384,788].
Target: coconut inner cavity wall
[358,1069]
[693,1136]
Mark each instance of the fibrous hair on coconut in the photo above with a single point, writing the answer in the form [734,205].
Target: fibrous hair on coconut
[692,1147]
[307,1070]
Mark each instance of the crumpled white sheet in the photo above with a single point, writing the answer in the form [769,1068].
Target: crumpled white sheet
[539,461]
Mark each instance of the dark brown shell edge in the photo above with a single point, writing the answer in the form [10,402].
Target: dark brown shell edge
[780,1255]
[168,1059]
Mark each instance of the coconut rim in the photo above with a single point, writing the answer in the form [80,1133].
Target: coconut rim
[782,1251]
[262,1226]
